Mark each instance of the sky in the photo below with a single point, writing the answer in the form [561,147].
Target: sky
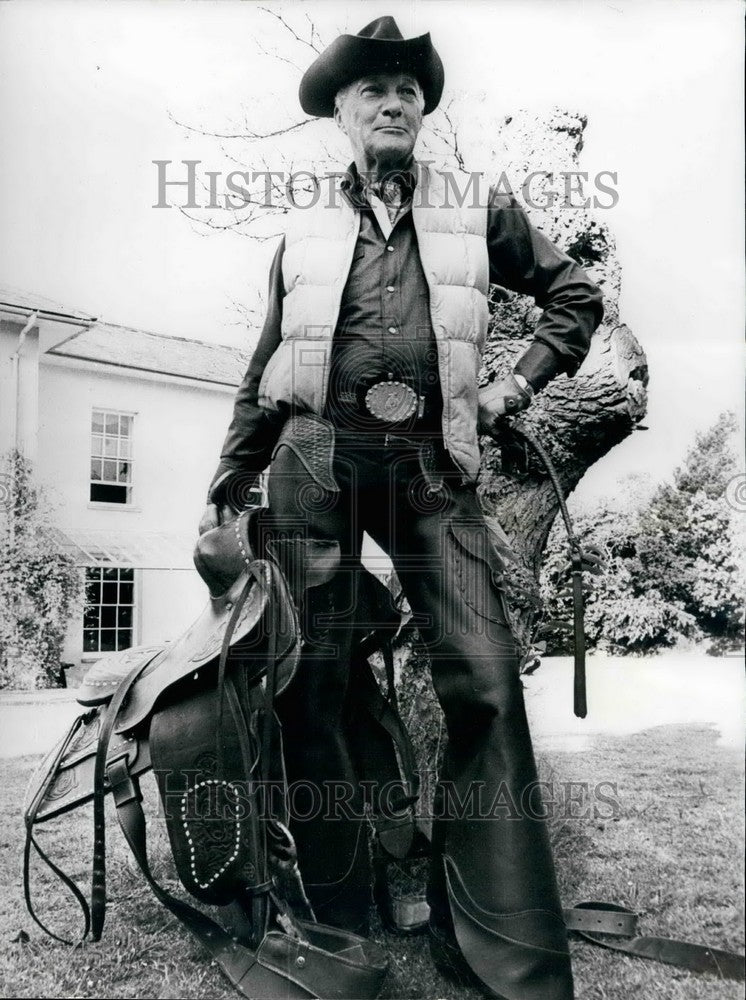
[91,94]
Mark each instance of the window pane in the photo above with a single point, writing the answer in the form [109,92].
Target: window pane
[108,640]
[90,641]
[110,494]
[124,448]
[110,446]
[110,472]
[124,638]
[108,616]
[112,423]
[97,468]
[97,422]
[124,472]
[96,444]
[125,425]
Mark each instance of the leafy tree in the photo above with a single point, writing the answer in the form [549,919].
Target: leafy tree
[689,541]
[40,587]
[623,614]
[673,560]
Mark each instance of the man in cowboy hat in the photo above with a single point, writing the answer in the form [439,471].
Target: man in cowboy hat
[363,393]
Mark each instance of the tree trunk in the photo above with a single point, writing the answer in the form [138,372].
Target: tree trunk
[577,420]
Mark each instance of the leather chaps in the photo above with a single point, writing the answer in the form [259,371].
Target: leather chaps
[492,879]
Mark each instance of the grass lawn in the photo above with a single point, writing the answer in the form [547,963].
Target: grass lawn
[670,847]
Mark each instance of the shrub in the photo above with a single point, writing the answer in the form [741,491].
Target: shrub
[40,586]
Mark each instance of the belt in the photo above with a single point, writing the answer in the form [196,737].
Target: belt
[391,402]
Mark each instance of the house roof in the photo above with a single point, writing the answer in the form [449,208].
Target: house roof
[16,298]
[126,347]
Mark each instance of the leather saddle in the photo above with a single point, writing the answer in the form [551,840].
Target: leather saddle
[199,712]
[158,668]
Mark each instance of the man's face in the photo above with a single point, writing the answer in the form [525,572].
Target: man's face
[382,116]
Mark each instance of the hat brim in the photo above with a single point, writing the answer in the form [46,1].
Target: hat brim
[351,57]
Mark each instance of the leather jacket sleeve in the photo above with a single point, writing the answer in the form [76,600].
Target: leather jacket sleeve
[253,431]
[523,260]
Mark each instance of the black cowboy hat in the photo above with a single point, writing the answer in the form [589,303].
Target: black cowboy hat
[377,48]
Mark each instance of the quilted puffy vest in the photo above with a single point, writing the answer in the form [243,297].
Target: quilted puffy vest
[319,246]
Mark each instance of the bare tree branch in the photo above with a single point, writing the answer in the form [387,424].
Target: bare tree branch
[251,316]
[315,36]
[263,194]
[288,27]
[276,55]
[247,135]
[235,224]
[449,135]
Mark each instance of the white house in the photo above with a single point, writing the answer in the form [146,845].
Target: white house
[124,429]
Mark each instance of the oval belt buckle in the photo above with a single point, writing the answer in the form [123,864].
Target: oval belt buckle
[391,401]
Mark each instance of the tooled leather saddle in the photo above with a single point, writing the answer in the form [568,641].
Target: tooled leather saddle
[200,713]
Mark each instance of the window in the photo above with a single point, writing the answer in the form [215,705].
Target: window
[108,618]
[111,457]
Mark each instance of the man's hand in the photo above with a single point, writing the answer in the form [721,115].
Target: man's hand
[214,516]
[511,395]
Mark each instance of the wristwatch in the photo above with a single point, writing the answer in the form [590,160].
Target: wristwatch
[524,383]
[521,396]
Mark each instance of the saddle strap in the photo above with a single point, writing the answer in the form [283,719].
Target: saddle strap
[604,923]
[282,619]
[283,616]
[93,914]
[223,661]
[98,879]
[31,814]
[322,963]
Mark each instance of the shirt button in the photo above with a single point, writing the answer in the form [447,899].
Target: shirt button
[389,288]
[390,249]
[392,329]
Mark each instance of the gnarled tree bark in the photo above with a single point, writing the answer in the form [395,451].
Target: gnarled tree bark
[577,420]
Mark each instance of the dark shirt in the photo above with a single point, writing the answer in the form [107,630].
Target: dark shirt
[384,327]
[520,258]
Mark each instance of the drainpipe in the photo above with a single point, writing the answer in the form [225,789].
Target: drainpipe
[15,361]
